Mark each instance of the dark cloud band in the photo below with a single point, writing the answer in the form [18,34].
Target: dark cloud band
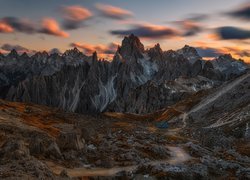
[147,31]
[243,12]
[229,33]
[20,25]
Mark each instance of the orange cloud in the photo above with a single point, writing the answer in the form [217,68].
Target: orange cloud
[190,27]
[113,12]
[148,31]
[5,28]
[3,52]
[14,24]
[214,37]
[238,52]
[205,44]
[76,13]
[200,43]
[51,27]
[88,48]
[104,51]
[74,16]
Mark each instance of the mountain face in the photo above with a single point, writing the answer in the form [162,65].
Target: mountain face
[138,80]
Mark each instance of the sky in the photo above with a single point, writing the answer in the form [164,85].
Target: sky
[214,27]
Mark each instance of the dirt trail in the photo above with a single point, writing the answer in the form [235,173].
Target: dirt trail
[211,98]
[178,156]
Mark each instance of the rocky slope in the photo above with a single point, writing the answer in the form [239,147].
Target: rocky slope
[216,123]
[138,80]
[207,138]
[153,96]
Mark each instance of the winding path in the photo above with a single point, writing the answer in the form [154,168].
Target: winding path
[178,156]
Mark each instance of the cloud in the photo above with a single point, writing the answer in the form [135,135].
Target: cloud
[9,47]
[243,12]
[197,17]
[113,12]
[148,31]
[17,24]
[245,53]
[189,27]
[230,33]
[208,51]
[20,49]
[3,52]
[51,27]
[5,28]
[14,24]
[112,48]
[237,51]
[101,49]
[74,16]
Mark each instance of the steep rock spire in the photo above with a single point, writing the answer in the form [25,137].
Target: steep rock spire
[131,47]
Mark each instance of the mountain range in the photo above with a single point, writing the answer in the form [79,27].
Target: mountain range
[137,80]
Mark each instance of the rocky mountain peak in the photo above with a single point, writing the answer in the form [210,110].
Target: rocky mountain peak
[54,55]
[76,50]
[131,47]
[228,65]
[188,49]
[45,53]
[72,52]
[155,51]
[157,47]
[190,53]
[13,53]
[226,57]
[170,53]
[41,55]
[94,57]
[24,55]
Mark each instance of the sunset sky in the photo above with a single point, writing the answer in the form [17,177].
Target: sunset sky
[214,27]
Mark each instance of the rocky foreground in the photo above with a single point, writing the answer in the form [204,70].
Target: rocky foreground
[207,138]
